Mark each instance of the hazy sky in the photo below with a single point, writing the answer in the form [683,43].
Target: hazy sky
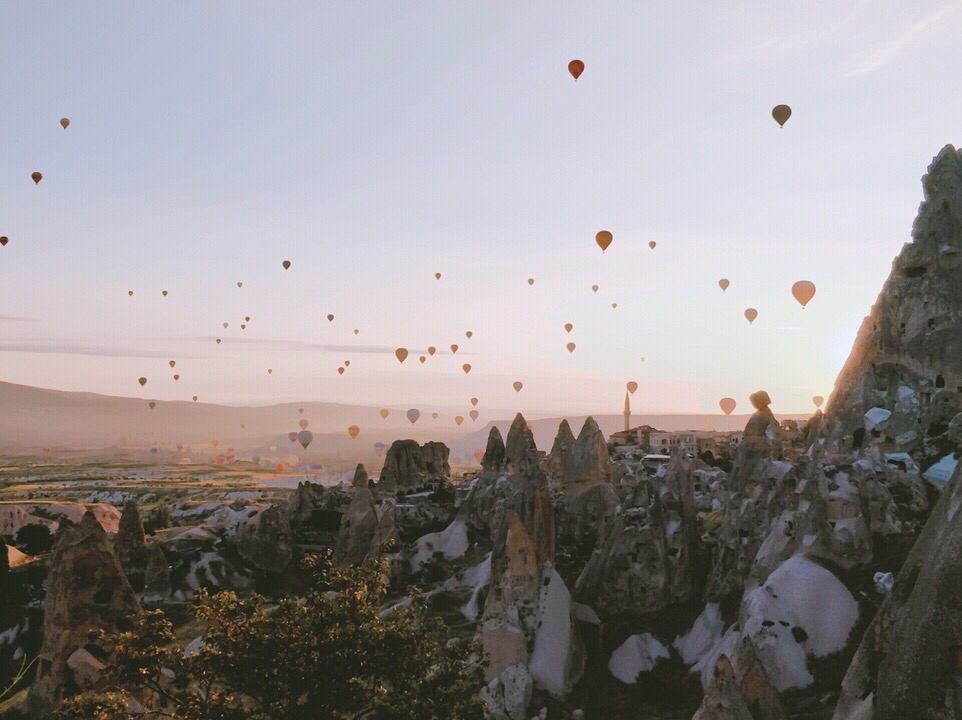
[375,143]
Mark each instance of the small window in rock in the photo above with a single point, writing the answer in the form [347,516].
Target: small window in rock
[939,381]
[931,323]
[858,437]
[902,328]
[102,596]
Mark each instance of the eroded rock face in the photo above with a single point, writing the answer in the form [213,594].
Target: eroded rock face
[87,590]
[587,463]
[408,465]
[359,537]
[130,545]
[264,540]
[493,459]
[563,442]
[300,505]
[157,580]
[907,358]
[520,451]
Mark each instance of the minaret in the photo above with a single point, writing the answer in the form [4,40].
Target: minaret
[627,412]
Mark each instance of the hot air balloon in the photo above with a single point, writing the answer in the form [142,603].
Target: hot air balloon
[401,354]
[152,404]
[243,426]
[432,350]
[176,376]
[353,431]
[384,413]
[292,436]
[130,293]
[421,359]
[437,276]
[225,326]
[240,284]
[651,244]
[142,381]
[576,67]
[804,291]
[172,363]
[304,437]
[517,385]
[614,305]
[347,363]
[781,113]
[474,402]
[303,424]
[164,293]
[466,367]
[64,122]
[568,327]
[330,318]
[530,281]
[458,419]
[217,341]
[723,284]
[727,404]
[270,370]
[478,455]
[247,318]
[356,331]
[632,386]
[37,177]
[434,416]
[4,240]
[604,239]
[300,411]
[751,314]
[273,448]
[594,288]
[279,467]
[468,334]
[454,348]
[413,415]
[195,398]
[286,264]
[215,443]
[571,347]
[818,400]
[474,415]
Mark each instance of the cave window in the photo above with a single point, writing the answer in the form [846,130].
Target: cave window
[939,381]
[883,385]
[931,323]
[902,329]
[858,437]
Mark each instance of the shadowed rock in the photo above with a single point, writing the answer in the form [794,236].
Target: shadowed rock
[130,545]
[264,540]
[520,451]
[588,462]
[408,465]
[563,442]
[494,452]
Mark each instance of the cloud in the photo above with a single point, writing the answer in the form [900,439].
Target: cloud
[60,347]
[14,318]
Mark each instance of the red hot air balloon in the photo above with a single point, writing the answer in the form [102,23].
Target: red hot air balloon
[576,67]
[804,291]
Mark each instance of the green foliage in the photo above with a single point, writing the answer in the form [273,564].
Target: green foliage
[35,539]
[330,654]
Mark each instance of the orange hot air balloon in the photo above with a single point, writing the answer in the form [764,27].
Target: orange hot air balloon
[723,284]
[614,305]
[401,354]
[474,415]
[571,347]
[347,363]
[269,371]
[37,177]
[422,359]
[478,455]
[195,398]
[432,350]
[517,385]
[330,318]
[4,240]
[594,288]
[437,276]
[176,376]
[172,363]
[568,327]
[530,281]
[354,431]
[576,67]
[243,326]
[818,400]
[152,405]
[384,413]
[804,291]
[434,416]
[130,293]
[279,467]
[64,122]
[751,314]
[781,113]
[340,371]
[458,419]
[225,326]
[604,239]
[454,348]
[632,386]
[468,334]
[247,318]
[727,404]
[142,381]
[303,424]
[474,402]
[413,415]
[240,284]
[217,341]
[466,367]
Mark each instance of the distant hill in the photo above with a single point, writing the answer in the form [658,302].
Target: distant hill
[34,418]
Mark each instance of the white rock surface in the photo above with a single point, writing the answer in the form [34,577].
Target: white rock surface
[637,654]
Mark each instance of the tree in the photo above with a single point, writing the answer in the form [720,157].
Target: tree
[35,539]
[334,653]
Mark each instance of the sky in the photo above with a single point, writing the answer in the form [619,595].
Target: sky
[374,144]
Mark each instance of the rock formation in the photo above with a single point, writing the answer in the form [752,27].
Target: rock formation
[493,459]
[587,463]
[563,442]
[301,504]
[130,545]
[86,591]
[157,579]
[360,536]
[520,451]
[264,540]
[408,465]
